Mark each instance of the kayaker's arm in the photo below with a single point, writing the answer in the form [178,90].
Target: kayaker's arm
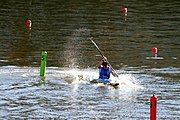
[100,63]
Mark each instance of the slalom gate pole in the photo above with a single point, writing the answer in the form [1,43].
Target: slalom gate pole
[153,105]
[43,64]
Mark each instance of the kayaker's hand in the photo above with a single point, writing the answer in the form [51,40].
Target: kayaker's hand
[114,73]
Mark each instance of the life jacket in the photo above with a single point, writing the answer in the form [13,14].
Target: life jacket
[104,73]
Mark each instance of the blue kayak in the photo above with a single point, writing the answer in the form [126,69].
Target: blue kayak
[105,81]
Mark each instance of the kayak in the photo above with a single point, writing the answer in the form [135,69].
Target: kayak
[105,81]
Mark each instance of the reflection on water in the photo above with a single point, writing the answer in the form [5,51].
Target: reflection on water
[63,29]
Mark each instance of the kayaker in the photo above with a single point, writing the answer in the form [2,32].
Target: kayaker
[104,69]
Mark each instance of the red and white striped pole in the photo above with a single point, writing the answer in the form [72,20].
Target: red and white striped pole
[154,51]
[29,23]
[124,10]
[153,106]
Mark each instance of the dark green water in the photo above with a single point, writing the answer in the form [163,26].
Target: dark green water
[63,29]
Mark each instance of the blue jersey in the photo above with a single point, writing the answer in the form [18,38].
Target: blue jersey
[104,73]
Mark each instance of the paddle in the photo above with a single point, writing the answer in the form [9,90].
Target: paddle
[115,73]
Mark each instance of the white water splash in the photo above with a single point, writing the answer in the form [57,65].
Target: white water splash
[127,81]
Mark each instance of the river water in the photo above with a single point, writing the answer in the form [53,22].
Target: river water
[64,29]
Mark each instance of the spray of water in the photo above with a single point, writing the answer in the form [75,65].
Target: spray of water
[126,81]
